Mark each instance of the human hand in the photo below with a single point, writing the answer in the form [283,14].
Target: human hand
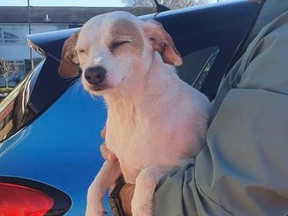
[126,194]
[107,154]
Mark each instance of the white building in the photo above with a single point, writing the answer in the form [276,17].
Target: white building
[17,22]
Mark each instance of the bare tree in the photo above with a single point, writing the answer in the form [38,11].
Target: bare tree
[6,70]
[173,4]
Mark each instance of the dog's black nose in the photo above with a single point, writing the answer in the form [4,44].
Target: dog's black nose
[95,75]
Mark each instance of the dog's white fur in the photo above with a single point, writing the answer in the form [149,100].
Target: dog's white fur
[155,121]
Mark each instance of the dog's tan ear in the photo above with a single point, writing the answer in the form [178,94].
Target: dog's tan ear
[69,60]
[162,43]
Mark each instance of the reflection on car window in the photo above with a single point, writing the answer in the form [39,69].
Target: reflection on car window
[30,98]
[14,107]
[12,72]
[197,65]
[200,79]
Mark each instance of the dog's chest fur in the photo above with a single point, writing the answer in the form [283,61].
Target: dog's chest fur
[161,131]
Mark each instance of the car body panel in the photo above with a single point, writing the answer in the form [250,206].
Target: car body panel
[55,138]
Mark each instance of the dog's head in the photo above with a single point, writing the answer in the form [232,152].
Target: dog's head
[116,47]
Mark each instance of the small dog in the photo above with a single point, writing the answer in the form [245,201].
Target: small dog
[155,121]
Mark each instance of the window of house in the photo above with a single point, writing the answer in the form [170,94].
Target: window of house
[1,34]
[11,35]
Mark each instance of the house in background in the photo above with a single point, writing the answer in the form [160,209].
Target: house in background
[17,22]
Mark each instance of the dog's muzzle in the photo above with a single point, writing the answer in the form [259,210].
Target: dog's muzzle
[95,75]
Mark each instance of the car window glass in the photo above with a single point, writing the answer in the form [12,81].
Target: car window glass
[197,65]
[15,109]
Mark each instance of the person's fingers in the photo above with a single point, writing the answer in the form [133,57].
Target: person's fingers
[103,132]
[107,155]
[112,158]
[104,151]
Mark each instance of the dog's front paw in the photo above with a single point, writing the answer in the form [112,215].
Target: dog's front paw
[95,209]
[140,208]
[94,204]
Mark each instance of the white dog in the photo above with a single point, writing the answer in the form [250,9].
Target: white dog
[155,121]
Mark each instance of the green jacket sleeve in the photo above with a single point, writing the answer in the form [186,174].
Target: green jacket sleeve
[243,170]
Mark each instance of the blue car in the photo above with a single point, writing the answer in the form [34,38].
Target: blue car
[50,127]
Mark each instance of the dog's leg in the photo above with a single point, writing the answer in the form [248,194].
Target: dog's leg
[107,175]
[146,181]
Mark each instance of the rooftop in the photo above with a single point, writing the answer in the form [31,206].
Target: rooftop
[77,15]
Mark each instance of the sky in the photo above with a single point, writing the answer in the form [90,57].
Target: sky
[83,3]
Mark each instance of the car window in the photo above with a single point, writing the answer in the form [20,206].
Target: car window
[196,66]
[14,108]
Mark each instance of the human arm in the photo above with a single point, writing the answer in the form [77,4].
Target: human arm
[242,170]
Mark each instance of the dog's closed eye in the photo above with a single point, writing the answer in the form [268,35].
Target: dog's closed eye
[117,44]
[81,51]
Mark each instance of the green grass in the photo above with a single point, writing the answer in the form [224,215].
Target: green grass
[4,90]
